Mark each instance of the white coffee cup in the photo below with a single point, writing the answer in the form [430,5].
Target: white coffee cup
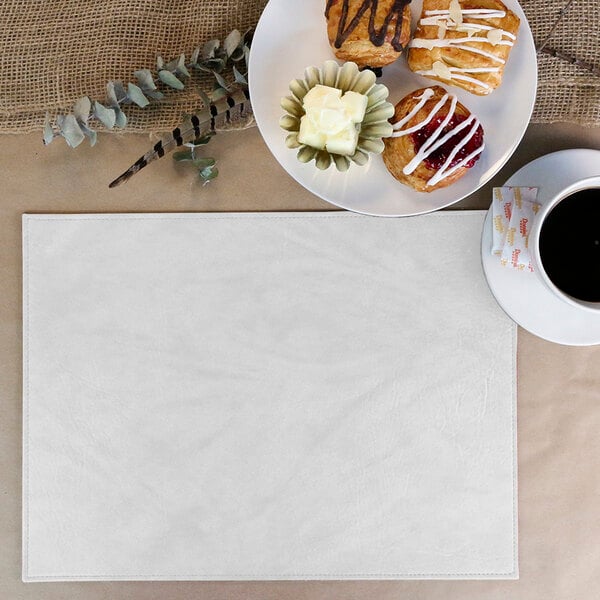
[534,240]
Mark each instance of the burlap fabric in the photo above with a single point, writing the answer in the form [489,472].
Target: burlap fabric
[566,92]
[52,52]
[55,51]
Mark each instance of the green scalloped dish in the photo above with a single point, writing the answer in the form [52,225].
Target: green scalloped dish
[373,128]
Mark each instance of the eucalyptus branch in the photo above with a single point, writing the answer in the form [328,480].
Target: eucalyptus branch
[213,57]
[205,165]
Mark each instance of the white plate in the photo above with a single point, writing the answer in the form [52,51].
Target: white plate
[291,35]
[523,295]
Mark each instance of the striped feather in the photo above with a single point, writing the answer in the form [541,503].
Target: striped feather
[219,114]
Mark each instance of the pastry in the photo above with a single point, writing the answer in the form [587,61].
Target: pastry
[436,140]
[370,33]
[464,43]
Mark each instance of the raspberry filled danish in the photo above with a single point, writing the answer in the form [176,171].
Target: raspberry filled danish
[436,140]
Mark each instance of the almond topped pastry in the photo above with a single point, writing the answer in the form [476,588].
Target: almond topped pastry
[370,33]
[465,43]
[436,140]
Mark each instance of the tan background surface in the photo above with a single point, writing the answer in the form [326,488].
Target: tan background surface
[558,387]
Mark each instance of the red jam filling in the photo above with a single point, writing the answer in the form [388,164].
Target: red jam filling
[437,158]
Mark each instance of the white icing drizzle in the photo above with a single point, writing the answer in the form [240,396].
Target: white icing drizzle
[446,43]
[458,74]
[475,27]
[435,141]
[431,43]
[455,75]
[443,20]
[444,170]
[427,93]
[472,13]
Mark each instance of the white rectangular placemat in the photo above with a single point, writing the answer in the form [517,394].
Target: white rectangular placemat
[265,396]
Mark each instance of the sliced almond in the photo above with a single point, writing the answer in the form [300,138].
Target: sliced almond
[442,27]
[441,70]
[466,28]
[494,36]
[455,12]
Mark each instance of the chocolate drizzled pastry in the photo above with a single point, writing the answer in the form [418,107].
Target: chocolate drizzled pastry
[370,33]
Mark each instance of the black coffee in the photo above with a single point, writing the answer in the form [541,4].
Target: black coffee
[570,245]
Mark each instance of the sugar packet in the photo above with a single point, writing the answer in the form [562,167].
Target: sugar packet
[513,213]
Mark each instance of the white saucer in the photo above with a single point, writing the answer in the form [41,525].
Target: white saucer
[523,295]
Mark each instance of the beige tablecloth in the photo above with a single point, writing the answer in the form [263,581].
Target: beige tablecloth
[558,387]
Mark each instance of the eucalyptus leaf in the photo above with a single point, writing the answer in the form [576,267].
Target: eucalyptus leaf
[183,155]
[203,163]
[105,115]
[213,65]
[81,109]
[120,118]
[209,173]
[48,131]
[111,94]
[247,37]
[89,133]
[221,81]
[232,41]
[219,93]
[120,92]
[205,98]
[154,94]
[201,141]
[70,130]
[208,50]
[238,77]
[195,55]
[181,68]
[202,67]
[145,79]
[116,93]
[172,65]
[238,54]
[160,63]
[136,95]
[170,79]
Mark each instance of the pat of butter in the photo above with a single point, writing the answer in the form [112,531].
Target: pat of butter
[331,119]
[310,134]
[343,142]
[327,120]
[355,105]
[322,96]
